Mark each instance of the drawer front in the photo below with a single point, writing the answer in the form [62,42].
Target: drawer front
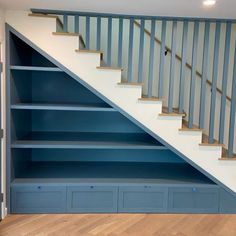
[227,202]
[143,199]
[194,199]
[92,199]
[38,199]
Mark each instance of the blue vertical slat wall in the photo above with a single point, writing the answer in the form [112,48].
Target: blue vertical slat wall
[172,67]
[204,75]
[141,47]
[98,46]
[162,59]
[130,53]
[224,81]
[65,23]
[87,40]
[109,38]
[214,83]
[76,24]
[183,66]
[151,58]
[120,42]
[232,112]
[193,74]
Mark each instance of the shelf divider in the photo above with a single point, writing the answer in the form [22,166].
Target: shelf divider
[36,68]
[61,107]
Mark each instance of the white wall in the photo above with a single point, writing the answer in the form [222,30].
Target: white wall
[3,108]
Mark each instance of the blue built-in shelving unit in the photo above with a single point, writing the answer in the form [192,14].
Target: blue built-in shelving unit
[69,151]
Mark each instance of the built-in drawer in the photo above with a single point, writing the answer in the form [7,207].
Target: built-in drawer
[227,202]
[194,199]
[92,199]
[143,199]
[38,199]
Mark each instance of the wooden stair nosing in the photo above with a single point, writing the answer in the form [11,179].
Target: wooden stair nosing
[171,114]
[225,155]
[184,129]
[212,144]
[130,84]
[109,68]
[152,99]
[66,34]
[227,158]
[90,51]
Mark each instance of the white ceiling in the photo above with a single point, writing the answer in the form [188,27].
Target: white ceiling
[191,8]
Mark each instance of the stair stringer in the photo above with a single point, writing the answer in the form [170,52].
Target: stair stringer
[82,66]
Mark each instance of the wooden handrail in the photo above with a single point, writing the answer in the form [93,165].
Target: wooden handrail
[199,74]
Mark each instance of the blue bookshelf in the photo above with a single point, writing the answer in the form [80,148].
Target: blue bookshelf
[70,151]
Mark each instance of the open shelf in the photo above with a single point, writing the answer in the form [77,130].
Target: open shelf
[62,107]
[110,172]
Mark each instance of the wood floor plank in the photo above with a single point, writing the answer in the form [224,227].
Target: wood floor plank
[119,225]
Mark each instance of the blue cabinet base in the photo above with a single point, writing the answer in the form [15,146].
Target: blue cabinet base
[94,198]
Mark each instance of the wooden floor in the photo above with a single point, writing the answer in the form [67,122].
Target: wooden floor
[119,224]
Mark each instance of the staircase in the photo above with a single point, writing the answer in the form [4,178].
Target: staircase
[68,51]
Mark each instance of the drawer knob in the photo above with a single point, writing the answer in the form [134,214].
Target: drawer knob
[194,189]
[91,187]
[39,187]
[147,186]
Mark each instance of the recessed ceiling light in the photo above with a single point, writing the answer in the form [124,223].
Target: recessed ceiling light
[209,2]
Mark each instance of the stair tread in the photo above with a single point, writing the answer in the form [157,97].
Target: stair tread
[225,155]
[228,158]
[190,129]
[109,68]
[150,99]
[88,51]
[171,114]
[132,84]
[66,33]
[205,142]
[212,144]
[186,128]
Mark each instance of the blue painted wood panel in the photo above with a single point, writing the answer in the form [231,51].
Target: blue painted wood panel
[92,199]
[143,199]
[227,203]
[194,199]
[38,199]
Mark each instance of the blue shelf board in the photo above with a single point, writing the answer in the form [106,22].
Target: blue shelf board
[36,68]
[84,145]
[62,107]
